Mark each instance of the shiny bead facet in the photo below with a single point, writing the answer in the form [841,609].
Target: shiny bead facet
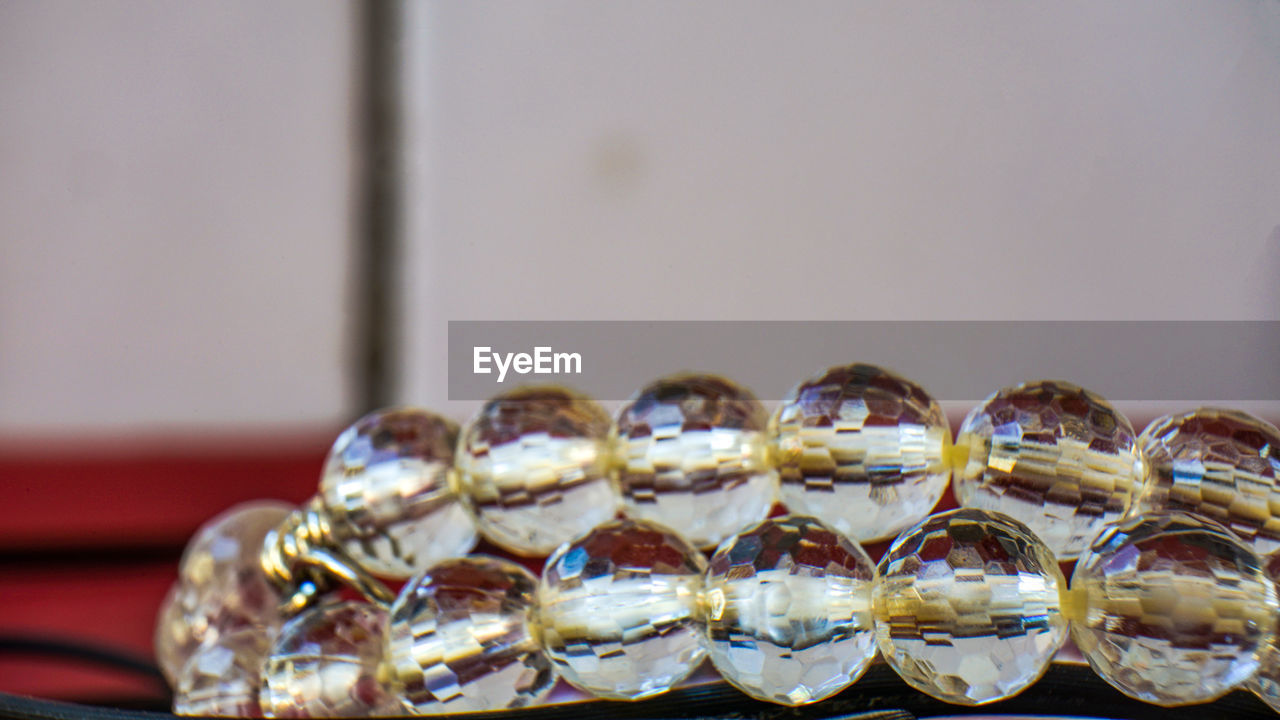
[1216,463]
[1052,455]
[221,585]
[1175,609]
[224,675]
[385,490]
[862,449]
[534,468]
[967,607]
[694,456]
[619,610]
[788,606]
[325,664]
[461,639]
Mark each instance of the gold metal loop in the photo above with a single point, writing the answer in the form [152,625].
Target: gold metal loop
[301,557]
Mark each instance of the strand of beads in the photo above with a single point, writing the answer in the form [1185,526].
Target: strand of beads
[865,450]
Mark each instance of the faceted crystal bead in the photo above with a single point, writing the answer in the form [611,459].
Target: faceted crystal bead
[967,606]
[619,609]
[461,639]
[862,449]
[534,468]
[1175,609]
[223,677]
[1052,455]
[695,456]
[325,664]
[1265,683]
[221,586]
[174,642]
[788,606]
[385,489]
[1216,463]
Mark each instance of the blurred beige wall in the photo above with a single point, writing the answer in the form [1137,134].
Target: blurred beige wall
[176,203]
[177,181]
[837,160]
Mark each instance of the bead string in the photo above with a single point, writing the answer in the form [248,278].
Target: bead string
[306,556]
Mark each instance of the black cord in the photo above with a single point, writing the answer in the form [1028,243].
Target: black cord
[80,651]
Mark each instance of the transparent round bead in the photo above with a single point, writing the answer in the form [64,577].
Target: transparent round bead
[1052,455]
[788,606]
[1175,609]
[221,586]
[862,449]
[694,455]
[619,610]
[534,468]
[1265,682]
[223,676]
[325,663]
[967,606]
[174,642]
[385,490]
[1216,463]
[461,639]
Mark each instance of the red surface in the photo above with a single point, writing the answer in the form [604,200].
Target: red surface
[89,543]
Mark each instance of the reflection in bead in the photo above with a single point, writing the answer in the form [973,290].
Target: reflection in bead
[1052,455]
[221,586]
[1216,463]
[461,639]
[222,678]
[533,468]
[788,605]
[967,606]
[694,455]
[862,449]
[325,664]
[385,489]
[619,609]
[1175,609]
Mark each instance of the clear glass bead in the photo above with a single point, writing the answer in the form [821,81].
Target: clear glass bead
[173,640]
[325,664]
[221,586]
[1265,682]
[534,468]
[461,639]
[694,454]
[967,606]
[1052,455]
[862,449]
[385,490]
[1220,464]
[788,605]
[1175,609]
[619,610]
[224,675]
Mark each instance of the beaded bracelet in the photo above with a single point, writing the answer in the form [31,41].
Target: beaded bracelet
[284,611]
